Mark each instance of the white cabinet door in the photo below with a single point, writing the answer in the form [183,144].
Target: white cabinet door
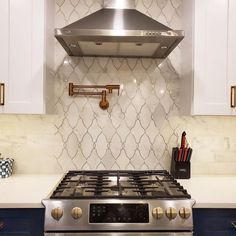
[211,86]
[210,71]
[25,67]
[24,93]
[232,48]
[4,45]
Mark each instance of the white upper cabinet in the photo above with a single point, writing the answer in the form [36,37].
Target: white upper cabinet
[232,52]
[25,66]
[209,72]
[4,45]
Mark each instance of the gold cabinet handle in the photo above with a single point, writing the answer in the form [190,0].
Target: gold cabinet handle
[233,97]
[2,225]
[2,94]
[233,224]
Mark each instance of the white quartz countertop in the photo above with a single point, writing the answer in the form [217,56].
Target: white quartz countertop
[26,191]
[212,191]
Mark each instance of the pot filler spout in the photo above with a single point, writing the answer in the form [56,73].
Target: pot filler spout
[118,30]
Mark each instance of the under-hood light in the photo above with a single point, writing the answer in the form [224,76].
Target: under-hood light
[73,45]
[164,47]
[120,4]
[119,32]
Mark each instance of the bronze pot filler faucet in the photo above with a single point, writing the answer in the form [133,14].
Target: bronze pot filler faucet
[104,104]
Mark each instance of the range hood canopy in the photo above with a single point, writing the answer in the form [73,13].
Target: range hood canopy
[118,30]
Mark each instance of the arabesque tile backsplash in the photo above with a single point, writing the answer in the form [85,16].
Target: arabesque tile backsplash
[135,132]
[139,128]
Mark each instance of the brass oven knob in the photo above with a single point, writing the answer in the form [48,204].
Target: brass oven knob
[171,213]
[157,213]
[185,213]
[76,212]
[57,213]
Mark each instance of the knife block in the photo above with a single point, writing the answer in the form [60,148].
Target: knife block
[180,169]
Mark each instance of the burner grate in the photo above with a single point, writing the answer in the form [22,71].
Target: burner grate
[119,184]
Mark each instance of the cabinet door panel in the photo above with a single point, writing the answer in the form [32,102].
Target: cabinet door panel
[25,82]
[232,46]
[22,55]
[208,222]
[22,222]
[20,51]
[27,34]
[4,19]
[210,66]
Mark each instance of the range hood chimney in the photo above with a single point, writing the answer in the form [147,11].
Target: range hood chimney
[118,30]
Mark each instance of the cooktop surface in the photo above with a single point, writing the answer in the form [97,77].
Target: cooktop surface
[155,184]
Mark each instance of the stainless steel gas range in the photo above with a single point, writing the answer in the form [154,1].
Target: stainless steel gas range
[119,203]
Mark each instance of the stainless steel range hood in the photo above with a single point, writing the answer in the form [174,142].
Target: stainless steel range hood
[118,30]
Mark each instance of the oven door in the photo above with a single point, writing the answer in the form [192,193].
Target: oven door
[122,234]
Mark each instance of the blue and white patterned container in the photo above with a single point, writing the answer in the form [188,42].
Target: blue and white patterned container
[6,167]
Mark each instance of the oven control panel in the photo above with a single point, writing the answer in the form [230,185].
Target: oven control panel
[118,213]
[114,215]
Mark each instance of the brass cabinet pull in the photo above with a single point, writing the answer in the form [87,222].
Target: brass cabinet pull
[2,94]
[2,224]
[233,224]
[233,97]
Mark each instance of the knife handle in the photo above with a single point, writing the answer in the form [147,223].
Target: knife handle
[186,150]
[189,154]
[180,154]
[175,154]
[183,140]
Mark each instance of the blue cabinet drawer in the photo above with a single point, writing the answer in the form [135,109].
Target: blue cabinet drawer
[22,222]
[217,222]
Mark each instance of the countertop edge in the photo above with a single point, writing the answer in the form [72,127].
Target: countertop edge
[21,205]
[215,205]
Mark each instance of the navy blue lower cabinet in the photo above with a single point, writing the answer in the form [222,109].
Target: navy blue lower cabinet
[214,222]
[21,222]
